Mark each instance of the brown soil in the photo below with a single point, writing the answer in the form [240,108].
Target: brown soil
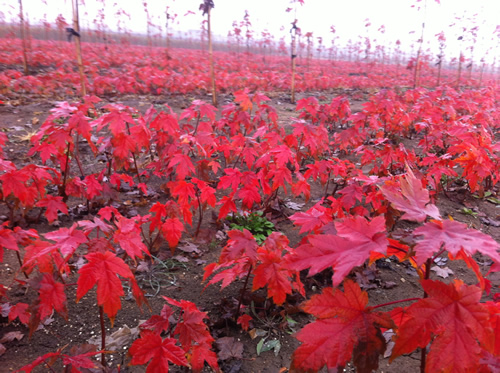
[386,281]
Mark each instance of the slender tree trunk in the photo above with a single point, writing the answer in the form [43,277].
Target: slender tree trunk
[439,73]
[418,63]
[294,57]
[459,71]
[167,43]
[211,59]
[23,38]
[481,76]
[76,27]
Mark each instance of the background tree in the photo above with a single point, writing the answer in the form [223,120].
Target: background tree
[206,7]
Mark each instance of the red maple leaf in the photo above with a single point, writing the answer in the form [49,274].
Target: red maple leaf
[123,144]
[52,297]
[182,165]
[311,220]
[172,230]
[7,240]
[191,328]
[103,269]
[53,204]
[240,244]
[116,119]
[346,327]
[93,187]
[227,206]
[453,320]
[412,199]
[128,236]
[274,274]
[20,310]
[201,354]
[159,323]
[67,239]
[356,238]
[455,236]
[150,347]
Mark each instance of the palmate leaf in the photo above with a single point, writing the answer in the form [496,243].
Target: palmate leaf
[453,320]
[103,269]
[454,236]
[151,348]
[356,239]
[412,199]
[53,204]
[346,327]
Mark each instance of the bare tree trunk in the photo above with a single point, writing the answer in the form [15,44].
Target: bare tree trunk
[76,27]
[23,37]
[481,75]
[211,59]
[418,67]
[293,31]
[459,71]
[167,43]
[439,73]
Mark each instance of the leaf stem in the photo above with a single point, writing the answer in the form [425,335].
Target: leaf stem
[103,336]
[423,351]
[242,293]
[395,302]
[21,264]
[62,192]
[200,210]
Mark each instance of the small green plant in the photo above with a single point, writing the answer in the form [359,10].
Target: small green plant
[467,211]
[254,222]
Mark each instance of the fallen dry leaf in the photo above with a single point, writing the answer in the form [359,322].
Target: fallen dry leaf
[442,272]
[229,348]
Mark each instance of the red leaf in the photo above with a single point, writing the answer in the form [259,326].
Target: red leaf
[123,144]
[182,165]
[244,321]
[172,230]
[53,204]
[67,240]
[346,327]
[239,244]
[93,188]
[39,360]
[311,220]
[453,320]
[116,119]
[228,206]
[412,199]
[151,347]
[103,269]
[52,297]
[356,239]
[19,310]
[201,354]
[273,272]
[159,323]
[192,329]
[7,240]
[454,236]
[128,236]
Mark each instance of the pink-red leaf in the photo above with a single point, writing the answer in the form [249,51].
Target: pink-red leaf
[454,236]
[412,199]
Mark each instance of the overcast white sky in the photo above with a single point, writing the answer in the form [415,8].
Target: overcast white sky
[348,16]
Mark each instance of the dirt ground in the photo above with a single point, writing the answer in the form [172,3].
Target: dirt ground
[385,281]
